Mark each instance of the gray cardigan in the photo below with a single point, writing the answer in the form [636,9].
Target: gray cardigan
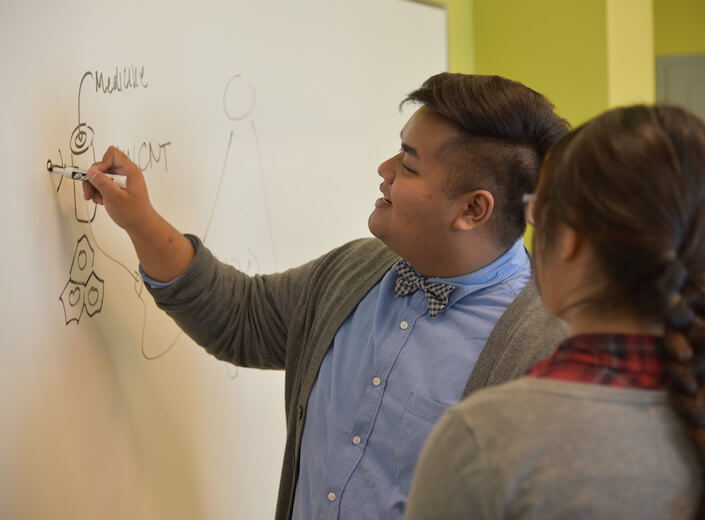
[288,321]
[558,450]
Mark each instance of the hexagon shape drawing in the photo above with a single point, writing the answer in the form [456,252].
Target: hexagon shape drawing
[72,298]
[82,264]
[93,295]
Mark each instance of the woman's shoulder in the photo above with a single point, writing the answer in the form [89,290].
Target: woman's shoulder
[529,402]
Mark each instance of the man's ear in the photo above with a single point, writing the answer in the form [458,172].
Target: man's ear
[475,209]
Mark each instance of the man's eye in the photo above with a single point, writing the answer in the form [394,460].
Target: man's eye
[407,168]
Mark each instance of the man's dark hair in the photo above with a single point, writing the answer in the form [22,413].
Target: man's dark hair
[505,129]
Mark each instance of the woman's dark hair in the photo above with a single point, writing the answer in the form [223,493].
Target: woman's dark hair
[632,182]
[505,129]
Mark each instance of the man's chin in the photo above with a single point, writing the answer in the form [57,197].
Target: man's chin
[374,226]
[379,232]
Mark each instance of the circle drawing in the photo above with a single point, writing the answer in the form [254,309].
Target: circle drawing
[81,139]
[238,98]
[93,296]
[82,260]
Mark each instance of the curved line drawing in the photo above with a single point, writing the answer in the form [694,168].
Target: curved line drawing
[63,165]
[264,191]
[239,97]
[138,288]
[220,185]
[233,371]
[79,140]
[80,87]
[253,96]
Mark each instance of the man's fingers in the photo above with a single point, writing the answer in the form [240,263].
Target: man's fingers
[103,184]
[88,190]
[114,161]
[91,193]
[111,159]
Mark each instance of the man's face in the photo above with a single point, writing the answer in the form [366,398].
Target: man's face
[415,214]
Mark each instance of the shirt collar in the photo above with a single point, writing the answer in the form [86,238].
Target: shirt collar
[621,360]
[511,262]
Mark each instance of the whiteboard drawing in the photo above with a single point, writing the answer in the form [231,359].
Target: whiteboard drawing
[146,154]
[239,230]
[84,292]
[84,289]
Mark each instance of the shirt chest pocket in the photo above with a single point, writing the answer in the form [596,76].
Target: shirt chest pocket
[420,416]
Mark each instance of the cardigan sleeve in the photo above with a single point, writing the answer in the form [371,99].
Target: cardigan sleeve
[237,318]
[453,478]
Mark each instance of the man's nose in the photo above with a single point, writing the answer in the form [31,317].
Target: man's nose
[387,169]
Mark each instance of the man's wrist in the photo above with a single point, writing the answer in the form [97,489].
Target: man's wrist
[147,227]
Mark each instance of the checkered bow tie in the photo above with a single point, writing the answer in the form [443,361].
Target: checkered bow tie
[410,281]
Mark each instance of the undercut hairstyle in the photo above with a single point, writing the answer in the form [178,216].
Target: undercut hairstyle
[632,183]
[504,131]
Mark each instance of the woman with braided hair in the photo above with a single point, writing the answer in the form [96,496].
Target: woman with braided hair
[612,425]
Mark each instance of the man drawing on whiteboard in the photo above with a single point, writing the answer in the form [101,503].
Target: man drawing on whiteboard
[374,347]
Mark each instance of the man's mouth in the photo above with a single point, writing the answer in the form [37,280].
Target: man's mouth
[383,202]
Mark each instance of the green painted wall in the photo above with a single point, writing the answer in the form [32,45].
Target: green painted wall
[586,56]
[631,75]
[679,27]
[556,47]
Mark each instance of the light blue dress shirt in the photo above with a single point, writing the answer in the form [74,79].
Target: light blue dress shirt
[390,374]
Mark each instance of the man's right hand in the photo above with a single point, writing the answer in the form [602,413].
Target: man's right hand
[163,252]
[128,207]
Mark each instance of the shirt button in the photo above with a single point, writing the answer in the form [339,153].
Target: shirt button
[331,497]
[404,325]
[376,381]
[356,439]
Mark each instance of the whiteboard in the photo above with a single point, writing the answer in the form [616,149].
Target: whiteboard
[259,125]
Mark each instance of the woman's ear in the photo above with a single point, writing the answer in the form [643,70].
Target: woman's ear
[572,244]
[475,209]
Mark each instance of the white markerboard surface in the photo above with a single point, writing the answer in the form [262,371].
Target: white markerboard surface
[259,125]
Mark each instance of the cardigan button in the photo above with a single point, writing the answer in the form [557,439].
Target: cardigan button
[299,413]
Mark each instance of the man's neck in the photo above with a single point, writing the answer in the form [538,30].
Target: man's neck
[457,261]
[618,323]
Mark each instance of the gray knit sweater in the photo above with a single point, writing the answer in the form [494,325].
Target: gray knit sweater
[288,321]
[548,449]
